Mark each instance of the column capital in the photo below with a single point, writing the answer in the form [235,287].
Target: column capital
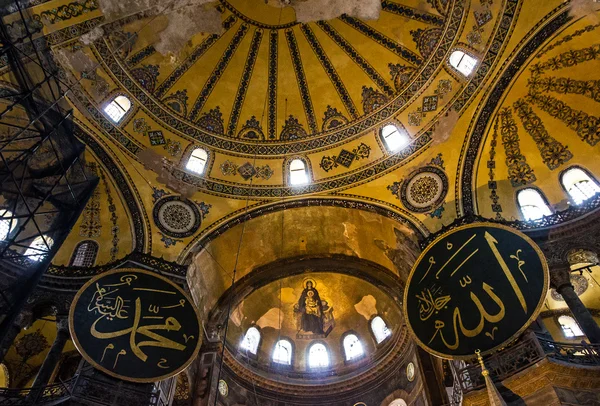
[560,277]
[62,324]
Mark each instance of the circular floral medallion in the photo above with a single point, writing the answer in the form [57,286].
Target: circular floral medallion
[175,217]
[580,285]
[425,189]
[223,388]
[410,372]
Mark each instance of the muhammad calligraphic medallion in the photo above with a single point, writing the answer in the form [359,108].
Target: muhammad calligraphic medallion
[476,287]
[135,325]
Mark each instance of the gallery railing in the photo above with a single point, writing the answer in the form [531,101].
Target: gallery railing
[83,388]
[530,350]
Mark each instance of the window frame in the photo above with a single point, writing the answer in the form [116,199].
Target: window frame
[287,171]
[74,253]
[401,130]
[386,339]
[467,51]
[39,257]
[279,365]
[566,191]
[248,353]
[544,199]
[112,98]
[187,155]
[329,358]
[343,346]
[562,330]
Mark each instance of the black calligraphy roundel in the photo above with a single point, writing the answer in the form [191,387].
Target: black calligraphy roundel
[476,287]
[135,325]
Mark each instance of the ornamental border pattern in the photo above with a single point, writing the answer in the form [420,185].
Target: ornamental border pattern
[469,152]
[188,129]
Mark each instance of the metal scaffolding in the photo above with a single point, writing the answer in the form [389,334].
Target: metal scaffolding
[44,185]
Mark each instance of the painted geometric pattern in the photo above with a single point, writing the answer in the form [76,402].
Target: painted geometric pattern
[519,171]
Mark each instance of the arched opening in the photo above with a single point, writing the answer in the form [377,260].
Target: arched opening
[394,139]
[380,329]
[251,341]
[282,354]
[353,348]
[298,172]
[532,204]
[7,224]
[85,253]
[117,108]
[570,327]
[38,248]
[197,161]
[318,356]
[398,402]
[463,62]
[579,185]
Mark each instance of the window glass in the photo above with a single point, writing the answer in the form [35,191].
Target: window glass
[570,327]
[85,254]
[380,329]
[532,204]
[117,108]
[579,185]
[318,357]
[197,161]
[251,340]
[463,62]
[393,138]
[298,174]
[398,402]
[7,224]
[283,352]
[352,347]
[38,248]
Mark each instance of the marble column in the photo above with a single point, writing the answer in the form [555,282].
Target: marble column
[24,319]
[560,278]
[53,357]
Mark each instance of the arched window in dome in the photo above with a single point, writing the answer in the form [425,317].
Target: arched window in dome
[85,254]
[569,326]
[463,62]
[398,402]
[251,341]
[38,248]
[532,204]
[380,329]
[579,185]
[117,108]
[318,356]
[394,138]
[298,172]
[7,224]
[353,348]
[282,354]
[197,161]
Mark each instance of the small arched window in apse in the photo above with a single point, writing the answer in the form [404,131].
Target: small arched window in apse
[197,161]
[318,357]
[398,402]
[579,185]
[298,172]
[85,254]
[393,138]
[463,62]
[38,249]
[251,340]
[7,224]
[532,204]
[352,347]
[569,326]
[380,329]
[117,108]
[282,354]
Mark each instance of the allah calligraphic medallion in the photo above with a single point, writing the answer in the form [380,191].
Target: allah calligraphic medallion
[135,325]
[476,287]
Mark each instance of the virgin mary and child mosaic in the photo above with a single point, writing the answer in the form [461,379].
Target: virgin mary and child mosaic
[314,316]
